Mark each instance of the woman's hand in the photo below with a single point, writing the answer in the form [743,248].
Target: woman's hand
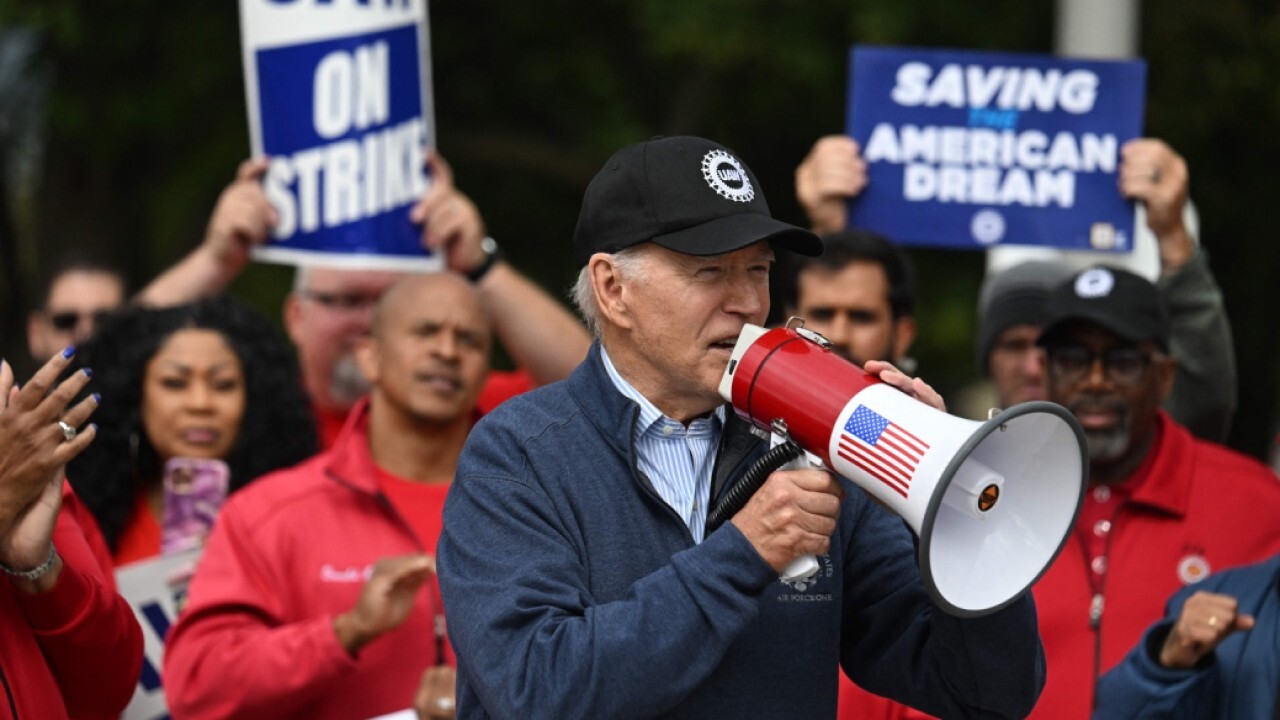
[35,446]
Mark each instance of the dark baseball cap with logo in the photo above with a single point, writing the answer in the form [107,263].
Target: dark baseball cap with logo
[1118,300]
[686,194]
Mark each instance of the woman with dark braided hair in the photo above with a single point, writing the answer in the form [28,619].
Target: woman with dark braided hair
[211,380]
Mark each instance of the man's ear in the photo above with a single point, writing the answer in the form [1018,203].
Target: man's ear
[610,290]
[904,333]
[367,358]
[292,314]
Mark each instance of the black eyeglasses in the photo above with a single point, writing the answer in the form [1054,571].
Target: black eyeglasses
[342,301]
[1122,365]
[67,321]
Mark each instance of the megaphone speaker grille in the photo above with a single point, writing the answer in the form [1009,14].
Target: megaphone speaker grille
[1003,508]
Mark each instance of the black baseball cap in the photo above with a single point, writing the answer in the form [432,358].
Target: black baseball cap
[686,194]
[1118,300]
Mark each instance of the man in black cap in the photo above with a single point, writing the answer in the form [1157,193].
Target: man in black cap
[1163,509]
[575,564]
[1011,313]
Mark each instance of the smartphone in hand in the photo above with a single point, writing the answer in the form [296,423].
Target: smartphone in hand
[194,489]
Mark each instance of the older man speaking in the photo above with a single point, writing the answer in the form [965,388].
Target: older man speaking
[575,568]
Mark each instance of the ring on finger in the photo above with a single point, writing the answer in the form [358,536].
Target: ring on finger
[1213,621]
[68,431]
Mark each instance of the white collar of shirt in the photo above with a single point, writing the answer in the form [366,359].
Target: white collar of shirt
[651,418]
[678,460]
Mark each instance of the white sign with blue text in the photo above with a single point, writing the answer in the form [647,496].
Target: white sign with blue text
[975,149]
[156,590]
[339,98]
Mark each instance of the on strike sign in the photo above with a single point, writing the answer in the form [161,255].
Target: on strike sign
[339,98]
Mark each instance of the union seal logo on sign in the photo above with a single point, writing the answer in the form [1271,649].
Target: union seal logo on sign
[1103,236]
[987,226]
[1095,283]
[725,175]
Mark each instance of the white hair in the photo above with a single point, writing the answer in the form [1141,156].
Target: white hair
[631,263]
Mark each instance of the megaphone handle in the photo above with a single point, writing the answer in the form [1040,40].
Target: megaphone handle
[802,568]
[749,483]
[805,566]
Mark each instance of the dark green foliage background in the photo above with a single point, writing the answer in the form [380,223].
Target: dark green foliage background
[146,123]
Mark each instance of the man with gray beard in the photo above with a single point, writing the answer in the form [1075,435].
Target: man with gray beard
[1163,509]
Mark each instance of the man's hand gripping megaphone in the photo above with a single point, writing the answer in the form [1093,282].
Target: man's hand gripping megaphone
[788,503]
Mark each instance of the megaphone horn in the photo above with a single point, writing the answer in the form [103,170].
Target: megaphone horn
[991,502]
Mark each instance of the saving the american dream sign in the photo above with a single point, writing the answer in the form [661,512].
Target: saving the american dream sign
[339,99]
[974,149]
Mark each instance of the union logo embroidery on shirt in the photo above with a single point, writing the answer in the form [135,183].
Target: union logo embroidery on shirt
[1193,568]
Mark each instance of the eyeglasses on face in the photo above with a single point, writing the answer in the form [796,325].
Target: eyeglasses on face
[67,320]
[1122,365]
[341,301]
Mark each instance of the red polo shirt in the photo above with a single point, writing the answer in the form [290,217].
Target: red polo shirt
[1192,508]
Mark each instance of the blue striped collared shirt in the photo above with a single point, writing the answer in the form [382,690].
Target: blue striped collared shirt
[678,460]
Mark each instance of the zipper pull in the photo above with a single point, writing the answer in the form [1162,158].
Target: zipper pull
[1095,611]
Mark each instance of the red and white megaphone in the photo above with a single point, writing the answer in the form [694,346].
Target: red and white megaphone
[992,502]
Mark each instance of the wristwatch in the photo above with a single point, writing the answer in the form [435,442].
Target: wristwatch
[492,254]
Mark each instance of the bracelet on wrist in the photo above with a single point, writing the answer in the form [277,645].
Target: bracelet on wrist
[492,254]
[34,573]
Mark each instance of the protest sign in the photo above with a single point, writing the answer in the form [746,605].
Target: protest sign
[974,149]
[155,589]
[339,97]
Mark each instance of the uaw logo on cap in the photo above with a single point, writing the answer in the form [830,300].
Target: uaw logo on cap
[725,175]
[1095,283]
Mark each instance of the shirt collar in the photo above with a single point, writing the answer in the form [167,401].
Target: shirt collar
[651,419]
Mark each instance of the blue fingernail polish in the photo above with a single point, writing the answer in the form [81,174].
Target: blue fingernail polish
[71,350]
[97,399]
[94,426]
[88,372]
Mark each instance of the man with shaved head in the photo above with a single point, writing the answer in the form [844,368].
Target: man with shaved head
[329,309]
[316,596]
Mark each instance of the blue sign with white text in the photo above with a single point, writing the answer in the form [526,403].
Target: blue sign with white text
[339,101]
[342,121]
[975,149]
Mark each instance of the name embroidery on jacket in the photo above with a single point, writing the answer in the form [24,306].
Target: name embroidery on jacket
[329,573]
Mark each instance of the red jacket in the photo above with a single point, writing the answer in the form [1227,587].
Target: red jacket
[76,650]
[289,553]
[1200,508]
